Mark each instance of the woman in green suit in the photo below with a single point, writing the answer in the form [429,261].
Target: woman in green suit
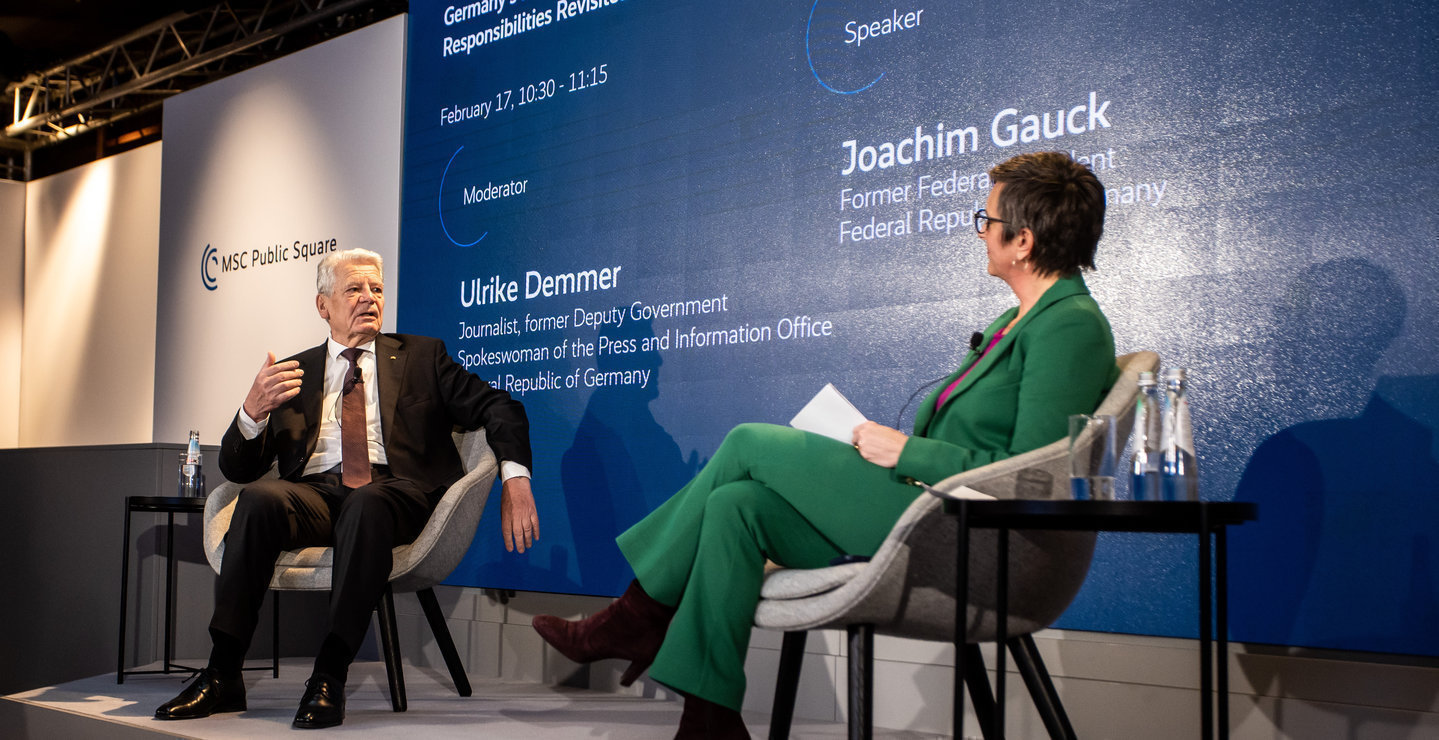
[801,499]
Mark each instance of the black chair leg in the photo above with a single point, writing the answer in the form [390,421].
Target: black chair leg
[861,681]
[390,646]
[275,635]
[791,657]
[976,678]
[441,630]
[124,591]
[1041,688]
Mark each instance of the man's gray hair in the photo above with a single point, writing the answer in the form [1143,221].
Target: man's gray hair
[325,272]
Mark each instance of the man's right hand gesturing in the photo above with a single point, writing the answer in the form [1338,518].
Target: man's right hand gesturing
[274,385]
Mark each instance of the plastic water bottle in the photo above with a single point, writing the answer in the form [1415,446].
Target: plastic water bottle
[1180,476]
[1144,449]
[192,474]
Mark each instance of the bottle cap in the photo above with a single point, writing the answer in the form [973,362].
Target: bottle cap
[1146,378]
[1174,373]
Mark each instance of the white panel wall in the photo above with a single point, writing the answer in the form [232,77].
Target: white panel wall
[87,360]
[12,283]
[303,150]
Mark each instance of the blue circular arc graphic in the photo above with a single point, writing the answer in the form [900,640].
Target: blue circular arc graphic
[440,204]
[810,58]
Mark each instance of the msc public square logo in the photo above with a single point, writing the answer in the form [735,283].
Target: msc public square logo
[213,263]
[849,45]
[209,262]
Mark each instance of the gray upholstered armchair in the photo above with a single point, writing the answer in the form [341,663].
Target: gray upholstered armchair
[907,588]
[418,566]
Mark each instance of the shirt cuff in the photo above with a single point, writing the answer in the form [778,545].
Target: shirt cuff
[249,428]
[508,469]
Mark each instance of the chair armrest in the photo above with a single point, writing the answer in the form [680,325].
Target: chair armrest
[442,544]
[219,508]
[1043,473]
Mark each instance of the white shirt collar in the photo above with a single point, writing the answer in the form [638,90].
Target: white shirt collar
[335,348]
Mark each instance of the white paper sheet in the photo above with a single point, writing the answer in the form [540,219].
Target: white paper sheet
[829,413]
[961,492]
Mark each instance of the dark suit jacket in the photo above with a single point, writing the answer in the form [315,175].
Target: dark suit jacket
[424,396]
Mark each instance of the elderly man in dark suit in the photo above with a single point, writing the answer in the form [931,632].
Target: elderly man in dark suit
[360,427]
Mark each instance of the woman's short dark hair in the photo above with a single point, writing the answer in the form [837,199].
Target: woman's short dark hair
[1062,204]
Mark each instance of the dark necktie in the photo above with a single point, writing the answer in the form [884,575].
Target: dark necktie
[354,442]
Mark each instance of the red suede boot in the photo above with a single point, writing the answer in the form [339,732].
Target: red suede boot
[631,628]
[706,720]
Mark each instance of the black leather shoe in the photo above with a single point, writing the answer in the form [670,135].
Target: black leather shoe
[323,704]
[208,694]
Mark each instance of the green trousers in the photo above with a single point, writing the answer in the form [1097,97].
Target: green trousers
[769,492]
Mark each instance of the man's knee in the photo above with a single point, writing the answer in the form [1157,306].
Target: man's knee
[262,499]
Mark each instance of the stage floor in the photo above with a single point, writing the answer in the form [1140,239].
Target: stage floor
[98,707]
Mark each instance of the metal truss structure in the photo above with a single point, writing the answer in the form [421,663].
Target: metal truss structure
[177,53]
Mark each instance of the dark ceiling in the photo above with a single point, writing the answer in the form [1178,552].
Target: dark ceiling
[37,34]
[90,75]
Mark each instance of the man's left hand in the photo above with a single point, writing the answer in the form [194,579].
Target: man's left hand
[519,521]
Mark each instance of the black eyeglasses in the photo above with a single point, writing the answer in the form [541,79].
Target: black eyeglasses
[982,219]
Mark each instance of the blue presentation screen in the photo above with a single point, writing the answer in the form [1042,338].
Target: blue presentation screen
[651,221]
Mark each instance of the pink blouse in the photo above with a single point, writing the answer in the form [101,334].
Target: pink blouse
[950,388]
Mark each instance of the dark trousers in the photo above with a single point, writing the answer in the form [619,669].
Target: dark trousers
[362,524]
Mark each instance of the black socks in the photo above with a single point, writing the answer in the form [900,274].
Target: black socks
[227,656]
[227,653]
[334,658]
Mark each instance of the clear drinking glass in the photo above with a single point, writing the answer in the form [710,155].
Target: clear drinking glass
[1092,457]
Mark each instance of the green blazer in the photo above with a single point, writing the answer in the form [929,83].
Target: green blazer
[1058,360]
